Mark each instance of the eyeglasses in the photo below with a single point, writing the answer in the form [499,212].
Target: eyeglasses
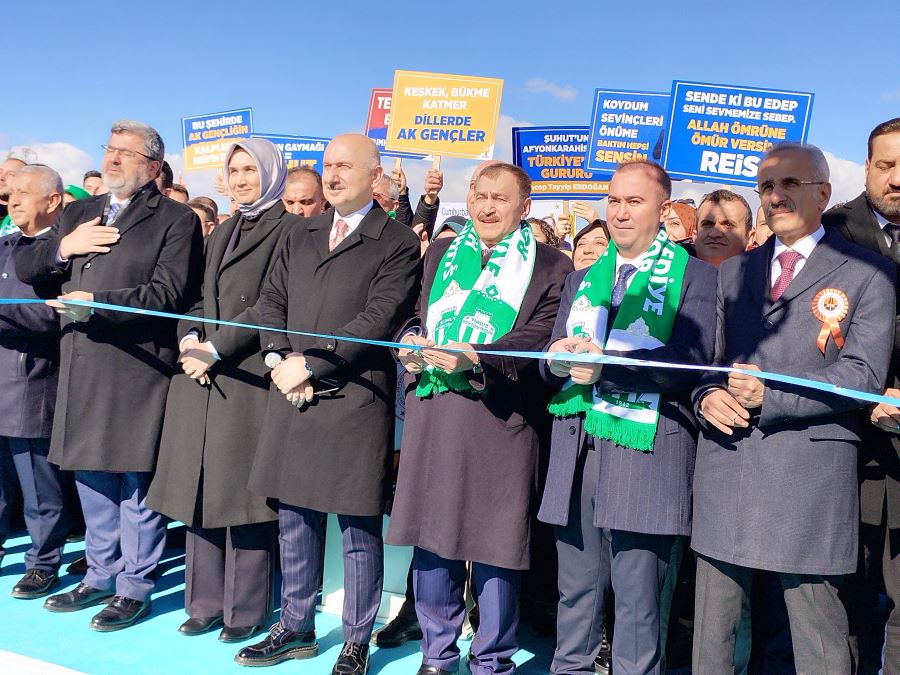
[786,184]
[127,154]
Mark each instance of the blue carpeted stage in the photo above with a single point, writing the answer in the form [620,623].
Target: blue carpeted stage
[31,638]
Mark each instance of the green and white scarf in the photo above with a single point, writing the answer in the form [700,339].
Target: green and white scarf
[474,305]
[644,321]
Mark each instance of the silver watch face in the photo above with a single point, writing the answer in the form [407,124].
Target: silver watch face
[273,359]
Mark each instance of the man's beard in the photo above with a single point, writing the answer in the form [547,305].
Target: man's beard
[888,209]
[120,185]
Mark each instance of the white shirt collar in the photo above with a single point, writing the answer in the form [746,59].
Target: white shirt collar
[803,246]
[37,234]
[882,221]
[352,219]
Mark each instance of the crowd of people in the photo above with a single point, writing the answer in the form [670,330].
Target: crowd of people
[630,511]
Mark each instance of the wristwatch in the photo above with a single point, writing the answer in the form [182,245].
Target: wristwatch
[273,359]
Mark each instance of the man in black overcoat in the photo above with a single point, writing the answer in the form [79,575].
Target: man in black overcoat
[136,248]
[350,272]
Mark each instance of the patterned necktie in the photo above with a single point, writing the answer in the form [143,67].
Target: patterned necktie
[338,233]
[618,291]
[114,209]
[788,260]
[893,232]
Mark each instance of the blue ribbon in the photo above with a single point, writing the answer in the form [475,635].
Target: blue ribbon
[561,356]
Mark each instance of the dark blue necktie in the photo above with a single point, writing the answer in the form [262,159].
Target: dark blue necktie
[618,291]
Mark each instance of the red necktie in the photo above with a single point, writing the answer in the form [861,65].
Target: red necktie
[787,259]
[338,233]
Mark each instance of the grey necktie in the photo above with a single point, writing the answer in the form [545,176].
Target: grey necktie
[114,210]
[618,291]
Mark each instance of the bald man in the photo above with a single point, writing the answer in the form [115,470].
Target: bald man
[328,433]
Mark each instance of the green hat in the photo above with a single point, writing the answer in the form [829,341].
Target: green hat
[77,192]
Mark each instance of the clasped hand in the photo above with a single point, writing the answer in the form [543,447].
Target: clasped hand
[581,373]
[196,357]
[292,378]
[415,361]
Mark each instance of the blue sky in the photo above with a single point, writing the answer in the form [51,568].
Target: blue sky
[307,68]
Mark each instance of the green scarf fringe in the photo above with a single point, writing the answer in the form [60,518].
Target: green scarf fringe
[438,382]
[627,433]
[571,401]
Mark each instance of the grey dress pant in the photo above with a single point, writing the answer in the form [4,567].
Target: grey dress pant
[818,621]
[592,558]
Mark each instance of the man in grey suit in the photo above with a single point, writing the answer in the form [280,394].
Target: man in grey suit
[619,482]
[775,484]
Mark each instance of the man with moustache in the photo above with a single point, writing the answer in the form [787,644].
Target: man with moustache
[724,227]
[872,220]
[352,272]
[29,361]
[303,194]
[469,429]
[130,247]
[775,485]
[622,453]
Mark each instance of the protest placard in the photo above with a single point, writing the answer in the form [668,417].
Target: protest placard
[206,137]
[436,114]
[377,123]
[299,150]
[626,125]
[718,133]
[553,157]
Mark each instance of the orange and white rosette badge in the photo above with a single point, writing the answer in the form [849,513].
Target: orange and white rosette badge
[830,306]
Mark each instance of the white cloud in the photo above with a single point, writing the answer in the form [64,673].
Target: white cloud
[848,179]
[68,160]
[538,85]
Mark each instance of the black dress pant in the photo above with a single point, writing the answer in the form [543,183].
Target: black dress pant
[229,573]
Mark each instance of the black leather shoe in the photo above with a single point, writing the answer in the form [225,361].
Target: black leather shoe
[239,633]
[280,645]
[78,567]
[397,632]
[79,598]
[121,613]
[193,626]
[434,670]
[35,584]
[353,660]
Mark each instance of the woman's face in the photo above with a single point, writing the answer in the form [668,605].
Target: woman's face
[675,230]
[243,177]
[590,247]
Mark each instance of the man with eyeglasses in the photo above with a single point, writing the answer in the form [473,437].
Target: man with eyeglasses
[872,220]
[134,248]
[775,481]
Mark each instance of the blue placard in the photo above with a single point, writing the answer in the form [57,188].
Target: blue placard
[553,157]
[718,133]
[626,125]
[206,138]
[299,150]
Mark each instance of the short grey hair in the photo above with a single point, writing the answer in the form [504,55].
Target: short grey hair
[819,170]
[153,142]
[50,181]
[393,190]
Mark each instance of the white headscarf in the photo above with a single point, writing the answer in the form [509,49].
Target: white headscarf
[272,174]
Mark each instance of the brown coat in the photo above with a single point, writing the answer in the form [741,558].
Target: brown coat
[467,472]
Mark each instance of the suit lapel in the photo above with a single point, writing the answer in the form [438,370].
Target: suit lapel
[864,227]
[758,267]
[826,257]
[249,241]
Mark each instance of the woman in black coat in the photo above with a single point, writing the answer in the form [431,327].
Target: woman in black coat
[215,410]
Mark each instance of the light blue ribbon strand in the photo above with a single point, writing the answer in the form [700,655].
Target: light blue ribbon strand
[584,357]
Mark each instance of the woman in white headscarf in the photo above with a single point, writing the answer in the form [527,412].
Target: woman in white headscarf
[215,410]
